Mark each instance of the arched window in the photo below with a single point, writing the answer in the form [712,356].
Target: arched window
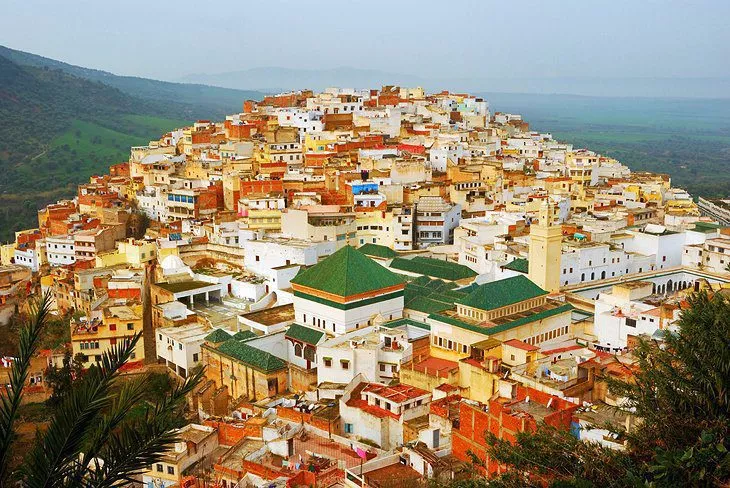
[298,350]
[603,275]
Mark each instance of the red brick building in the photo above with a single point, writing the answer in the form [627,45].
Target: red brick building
[505,418]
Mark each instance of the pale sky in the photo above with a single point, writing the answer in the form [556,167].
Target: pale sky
[482,38]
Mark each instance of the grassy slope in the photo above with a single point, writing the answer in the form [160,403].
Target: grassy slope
[56,130]
[85,149]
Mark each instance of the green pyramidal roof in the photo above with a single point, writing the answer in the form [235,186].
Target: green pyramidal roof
[377,250]
[252,356]
[521,265]
[304,334]
[502,293]
[347,272]
[217,336]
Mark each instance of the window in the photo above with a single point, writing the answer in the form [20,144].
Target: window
[345,363]
[298,350]
[159,468]
[631,322]
[130,326]
[258,259]
[195,357]
[112,326]
[349,428]
[382,367]
[179,346]
[170,470]
[327,362]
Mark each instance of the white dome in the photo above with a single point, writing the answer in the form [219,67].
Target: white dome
[172,262]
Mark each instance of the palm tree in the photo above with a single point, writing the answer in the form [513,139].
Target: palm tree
[91,441]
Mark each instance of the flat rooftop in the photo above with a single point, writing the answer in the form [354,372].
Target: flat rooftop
[392,475]
[436,367]
[273,315]
[535,409]
[186,332]
[601,414]
[233,457]
[182,286]
[395,393]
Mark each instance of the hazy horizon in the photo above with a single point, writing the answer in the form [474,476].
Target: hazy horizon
[568,47]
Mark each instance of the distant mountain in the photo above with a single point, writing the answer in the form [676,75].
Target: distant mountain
[201,101]
[282,79]
[274,79]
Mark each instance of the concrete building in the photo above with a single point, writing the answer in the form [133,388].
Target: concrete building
[179,347]
[435,221]
[376,412]
[195,443]
[375,352]
[60,250]
[623,314]
[112,324]
[713,255]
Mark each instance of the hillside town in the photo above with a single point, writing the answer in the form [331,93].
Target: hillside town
[370,280]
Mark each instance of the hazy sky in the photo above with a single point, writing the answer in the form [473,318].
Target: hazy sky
[541,38]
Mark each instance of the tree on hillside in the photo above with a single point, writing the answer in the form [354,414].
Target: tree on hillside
[137,224]
[92,440]
[61,379]
[681,393]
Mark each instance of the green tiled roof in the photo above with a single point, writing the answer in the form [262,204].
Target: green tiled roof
[378,251]
[435,268]
[218,335]
[521,265]
[428,305]
[706,227]
[502,293]
[304,334]
[242,335]
[347,272]
[256,358]
[501,327]
[429,296]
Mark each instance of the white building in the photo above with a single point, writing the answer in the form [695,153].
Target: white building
[376,412]
[27,257]
[713,255]
[436,220]
[376,353]
[60,250]
[622,313]
[179,347]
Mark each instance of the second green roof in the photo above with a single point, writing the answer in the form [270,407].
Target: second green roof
[502,293]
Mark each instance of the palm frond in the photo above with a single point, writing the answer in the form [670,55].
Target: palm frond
[10,399]
[139,444]
[58,451]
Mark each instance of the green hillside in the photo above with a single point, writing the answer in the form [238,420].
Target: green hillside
[56,130]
